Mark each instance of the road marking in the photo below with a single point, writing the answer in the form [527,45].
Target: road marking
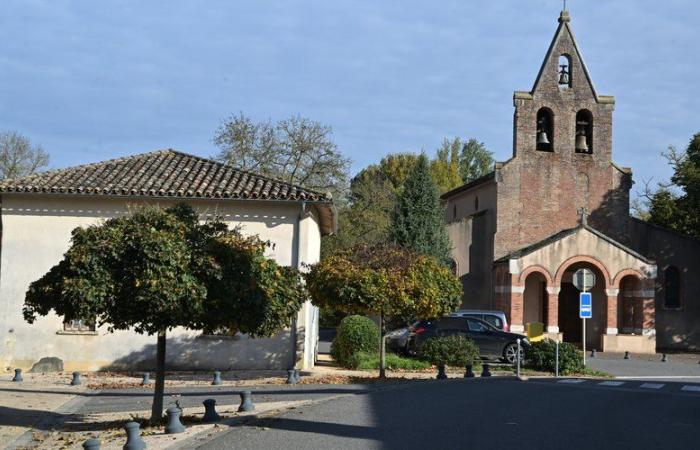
[571,381]
[690,388]
[652,385]
[660,377]
[611,383]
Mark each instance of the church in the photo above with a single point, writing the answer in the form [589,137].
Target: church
[561,204]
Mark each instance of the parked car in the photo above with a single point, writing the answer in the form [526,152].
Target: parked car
[397,340]
[496,319]
[492,343]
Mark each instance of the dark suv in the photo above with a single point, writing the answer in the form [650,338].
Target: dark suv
[492,343]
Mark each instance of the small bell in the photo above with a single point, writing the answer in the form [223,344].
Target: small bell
[581,144]
[564,75]
[542,138]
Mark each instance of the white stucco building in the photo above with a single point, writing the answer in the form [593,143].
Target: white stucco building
[40,211]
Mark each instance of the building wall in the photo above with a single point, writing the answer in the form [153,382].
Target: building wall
[471,231]
[675,328]
[36,232]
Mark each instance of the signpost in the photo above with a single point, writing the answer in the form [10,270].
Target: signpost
[584,280]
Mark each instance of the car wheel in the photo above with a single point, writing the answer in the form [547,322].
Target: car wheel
[510,353]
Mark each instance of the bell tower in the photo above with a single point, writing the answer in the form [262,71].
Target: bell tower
[562,155]
[563,115]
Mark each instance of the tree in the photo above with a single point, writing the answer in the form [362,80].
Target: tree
[160,269]
[677,205]
[418,222]
[445,167]
[384,280]
[296,150]
[18,157]
[475,161]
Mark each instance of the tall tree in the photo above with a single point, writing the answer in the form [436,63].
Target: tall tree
[474,161]
[677,206]
[160,269]
[445,167]
[384,280]
[18,157]
[296,150]
[418,222]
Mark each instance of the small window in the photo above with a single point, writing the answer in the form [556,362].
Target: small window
[454,211]
[495,321]
[545,130]
[564,72]
[79,326]
[477,327]
[476,203]
[672,287]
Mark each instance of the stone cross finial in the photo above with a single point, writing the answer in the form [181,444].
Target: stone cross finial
[583,212]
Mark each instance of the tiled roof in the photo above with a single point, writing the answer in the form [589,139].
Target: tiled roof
[163,173]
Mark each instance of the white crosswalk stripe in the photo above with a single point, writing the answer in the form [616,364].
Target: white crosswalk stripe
[690,388]
[571,381]
[652,385]
[611,383]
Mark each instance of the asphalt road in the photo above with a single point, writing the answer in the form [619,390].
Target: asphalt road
[484,414]
[649,367]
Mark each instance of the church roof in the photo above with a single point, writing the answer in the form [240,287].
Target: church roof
[568,232]
[465,187]
[164,173]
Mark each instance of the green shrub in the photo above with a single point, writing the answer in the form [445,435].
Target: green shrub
[370,361]
[456,351]
[354,334]
[542,356]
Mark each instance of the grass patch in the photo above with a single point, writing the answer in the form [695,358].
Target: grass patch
[370,361]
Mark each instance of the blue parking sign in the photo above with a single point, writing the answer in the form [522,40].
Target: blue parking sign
[585,305]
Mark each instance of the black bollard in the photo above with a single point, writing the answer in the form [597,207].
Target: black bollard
[210,414]
[146,379]
[246,402]
[297,375]
[133,437]
[91,444]
[76,379]
[217,378]
[18,375]
[469,373]
[627,355]
[291,379]
[664,358]
[485,371]
[593,353]
[441,372]
[174,425]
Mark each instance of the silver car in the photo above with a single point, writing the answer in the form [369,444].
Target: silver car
[496,319]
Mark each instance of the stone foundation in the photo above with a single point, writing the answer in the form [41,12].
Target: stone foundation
[629,343]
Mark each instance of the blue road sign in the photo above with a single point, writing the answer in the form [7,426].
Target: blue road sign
[585,305]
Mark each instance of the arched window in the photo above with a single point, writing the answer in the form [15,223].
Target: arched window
[672,287]
[584,132]
[545,130]
[565,71]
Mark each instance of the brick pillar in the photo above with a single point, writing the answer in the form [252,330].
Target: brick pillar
[516,308]
[611,311]
[553,309]
[648,308]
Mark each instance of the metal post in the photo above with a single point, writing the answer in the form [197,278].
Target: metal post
[556,360]
[584,342]
[517,357]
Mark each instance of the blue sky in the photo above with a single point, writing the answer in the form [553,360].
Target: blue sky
[94,80]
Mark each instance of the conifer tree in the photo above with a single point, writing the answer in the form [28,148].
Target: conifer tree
[418,222]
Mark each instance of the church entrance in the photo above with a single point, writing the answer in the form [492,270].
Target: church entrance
[569,322]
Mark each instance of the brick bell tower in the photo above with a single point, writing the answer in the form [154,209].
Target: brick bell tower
[562,155]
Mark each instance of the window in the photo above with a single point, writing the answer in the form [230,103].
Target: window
[545,130]
[672,287]
[477,327]
[584,132]
[564,71]
[454,212]
[494,321]
[79,326]
[476,203]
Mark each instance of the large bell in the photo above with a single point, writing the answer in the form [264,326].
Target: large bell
[542,138]
[564,78]
[581,143]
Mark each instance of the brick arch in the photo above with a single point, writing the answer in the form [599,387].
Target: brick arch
[586,259]
[532,269]
[627,272]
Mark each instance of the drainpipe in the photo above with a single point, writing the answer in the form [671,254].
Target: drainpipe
[297,264]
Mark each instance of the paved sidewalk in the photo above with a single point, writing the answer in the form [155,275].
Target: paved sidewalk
[683,368]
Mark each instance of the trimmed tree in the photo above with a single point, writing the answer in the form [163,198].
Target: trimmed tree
[384,280]
[156,270]
[418,222]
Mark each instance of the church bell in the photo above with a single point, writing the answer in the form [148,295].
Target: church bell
[581,144]
[542,138]
[564,77]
